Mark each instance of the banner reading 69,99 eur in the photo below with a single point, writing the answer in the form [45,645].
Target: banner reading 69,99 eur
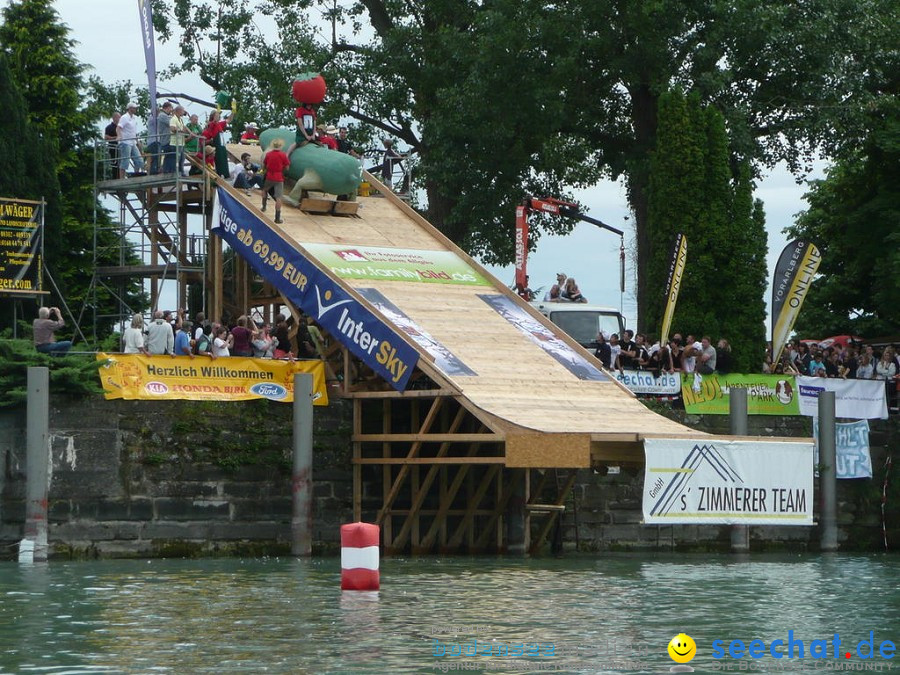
[135,376]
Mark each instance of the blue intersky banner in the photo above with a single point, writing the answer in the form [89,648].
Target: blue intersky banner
[376,343]
[149,51]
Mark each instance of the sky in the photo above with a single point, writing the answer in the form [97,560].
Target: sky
[108,41]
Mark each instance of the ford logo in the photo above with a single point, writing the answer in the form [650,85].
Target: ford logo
[156,388]
[273,392]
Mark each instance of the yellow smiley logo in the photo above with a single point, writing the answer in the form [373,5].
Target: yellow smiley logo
[682,648]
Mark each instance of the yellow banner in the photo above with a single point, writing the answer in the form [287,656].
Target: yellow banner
[673,284]
[135,376]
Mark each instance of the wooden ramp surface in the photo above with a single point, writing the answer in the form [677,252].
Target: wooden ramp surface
[516,380]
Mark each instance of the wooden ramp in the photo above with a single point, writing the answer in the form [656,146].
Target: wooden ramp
[500,401]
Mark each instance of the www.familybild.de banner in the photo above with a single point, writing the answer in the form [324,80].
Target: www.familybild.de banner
[135,376]
[766,394]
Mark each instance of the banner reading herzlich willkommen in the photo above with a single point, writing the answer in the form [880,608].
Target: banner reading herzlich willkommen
[21,248]
[673,284]
[794,272]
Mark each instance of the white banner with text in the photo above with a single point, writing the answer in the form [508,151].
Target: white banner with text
[728,482]
[853,399]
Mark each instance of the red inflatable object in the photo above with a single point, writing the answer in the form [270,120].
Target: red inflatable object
[359,557]
[308,88]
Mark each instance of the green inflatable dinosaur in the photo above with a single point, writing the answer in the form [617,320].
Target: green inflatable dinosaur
[315,167]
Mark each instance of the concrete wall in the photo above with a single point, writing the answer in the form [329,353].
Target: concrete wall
[176,478]
[179,478]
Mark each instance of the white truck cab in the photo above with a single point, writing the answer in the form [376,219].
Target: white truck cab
[582,321]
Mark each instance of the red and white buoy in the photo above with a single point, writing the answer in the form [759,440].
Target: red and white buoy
[359,557]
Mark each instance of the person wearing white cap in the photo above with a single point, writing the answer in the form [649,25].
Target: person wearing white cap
[250,135]
[126,130]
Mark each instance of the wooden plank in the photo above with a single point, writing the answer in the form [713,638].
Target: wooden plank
[404,469]
[357,468]
[548,523]
[474,501]
[429,460]
[429,438]
[345,208]
[317,205]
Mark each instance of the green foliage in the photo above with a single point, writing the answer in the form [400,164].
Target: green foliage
[512,97]
[47,88]
[74,375]
[693,192]
[852,219]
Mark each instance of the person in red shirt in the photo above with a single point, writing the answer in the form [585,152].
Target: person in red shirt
[276,161]
[213,135]
[328,138]
[250,135]
[306,127]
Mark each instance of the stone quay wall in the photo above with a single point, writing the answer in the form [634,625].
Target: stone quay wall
[183,478]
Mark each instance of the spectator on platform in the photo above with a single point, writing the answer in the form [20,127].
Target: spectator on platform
[222,342]
[707,357]
[641,360]
[344,145]
[192,141]
[282,339]
[816,363]
[723,357]
[213,133]
[804,358]
[129,153]
[327,137]
[391,159]
[554,294]
[110,135]
[614,350]
[851,362]
[133,337]
[263,344]
[162,152]
[44,329]
[160,338]
[690,354]
[571,292]
[866,368]
[665,358]
[250,135]
[203,342]
[603,351]
[676,350]
[628,353]
[833,365]
[886,369]
[180,133]
[247,175]
[242,336]
[183,346]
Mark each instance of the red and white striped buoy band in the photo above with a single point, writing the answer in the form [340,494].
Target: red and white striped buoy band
[359,557]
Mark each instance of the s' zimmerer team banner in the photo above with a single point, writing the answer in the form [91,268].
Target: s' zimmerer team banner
[794,272]
[673,283]
[728,482]
[350,322]
[135,376]
[21,246]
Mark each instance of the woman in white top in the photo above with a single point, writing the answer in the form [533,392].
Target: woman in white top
[886,369]
[222,343]
[133,337]
[866,369]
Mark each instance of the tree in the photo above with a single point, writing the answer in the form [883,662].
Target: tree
[508,97]
[852,219]
[49,77]
[692,191]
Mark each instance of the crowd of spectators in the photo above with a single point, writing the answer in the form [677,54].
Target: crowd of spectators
[171,333]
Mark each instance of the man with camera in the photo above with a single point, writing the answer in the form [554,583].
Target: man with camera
[44,328]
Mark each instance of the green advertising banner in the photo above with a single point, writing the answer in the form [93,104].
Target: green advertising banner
[766,394]
[396,264]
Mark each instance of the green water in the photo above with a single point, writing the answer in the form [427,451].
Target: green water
[604,614]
